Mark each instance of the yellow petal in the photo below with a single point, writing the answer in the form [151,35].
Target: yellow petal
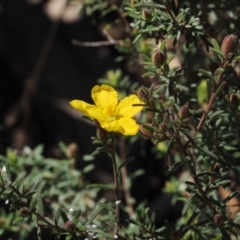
[125,126]
[105,96]
[125,108]
[87,109]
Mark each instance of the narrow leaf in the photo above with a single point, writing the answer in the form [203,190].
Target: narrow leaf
[207,152]
[39,233]
[190,220]
[94,215]
[101,186]
[58,214]
[74,236]
[219,90]
[40,204]
[207,74]
[215,44]
[77,215]
[107,206]
[64,216]
[187,204]
[125,163]
[227,199]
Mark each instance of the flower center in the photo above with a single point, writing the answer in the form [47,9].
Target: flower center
[111,113]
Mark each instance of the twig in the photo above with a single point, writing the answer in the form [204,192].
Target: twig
[116,183]
[168,10]
[124,174]
[95,44]
[208,108]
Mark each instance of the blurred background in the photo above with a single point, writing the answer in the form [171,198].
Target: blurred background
[41,70]
[54,51]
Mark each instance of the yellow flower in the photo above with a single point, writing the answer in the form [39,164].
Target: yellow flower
[112,115]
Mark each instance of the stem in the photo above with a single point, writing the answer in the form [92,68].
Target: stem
[39,216]
[195,178]
[116,183]
[203,193]
[124,174]
[209,106]
[168,10]
[42,218]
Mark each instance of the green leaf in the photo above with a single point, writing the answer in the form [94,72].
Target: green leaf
[212,116]
[191,168]
[99,150]
[63,147]
[225,234]
[228,198]
[137,38]
[30,194]
[145,58]
[17,219]
[58,214]
[216,45]
[64,216]
[39,233]
[35,185]
[125,163]
[101,186]
[133,221]
[40,204]
[169,60]
[190,183]
[6,172]
[190,220]
[181,16]
[163,14]
[207,74]
[168,225]
[32,204]
[220,88]
[77,215]
[207,152]
[186,133]
[93,215]
[219,71]
[187,204]
[107,206]
[88,168]
[147,74]
[74,236]
[162,46]
[219,53]
[205,173]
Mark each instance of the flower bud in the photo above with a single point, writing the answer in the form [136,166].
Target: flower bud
[175,235]
[158,58]
[72,150]
[146,13]
[70,226]
[214,168]
[24,212]
[101,134]
[218,219]
[229,45]
[146,130]
[184,112]
[133,3]
[143,94]
[162,127]
[234,100]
